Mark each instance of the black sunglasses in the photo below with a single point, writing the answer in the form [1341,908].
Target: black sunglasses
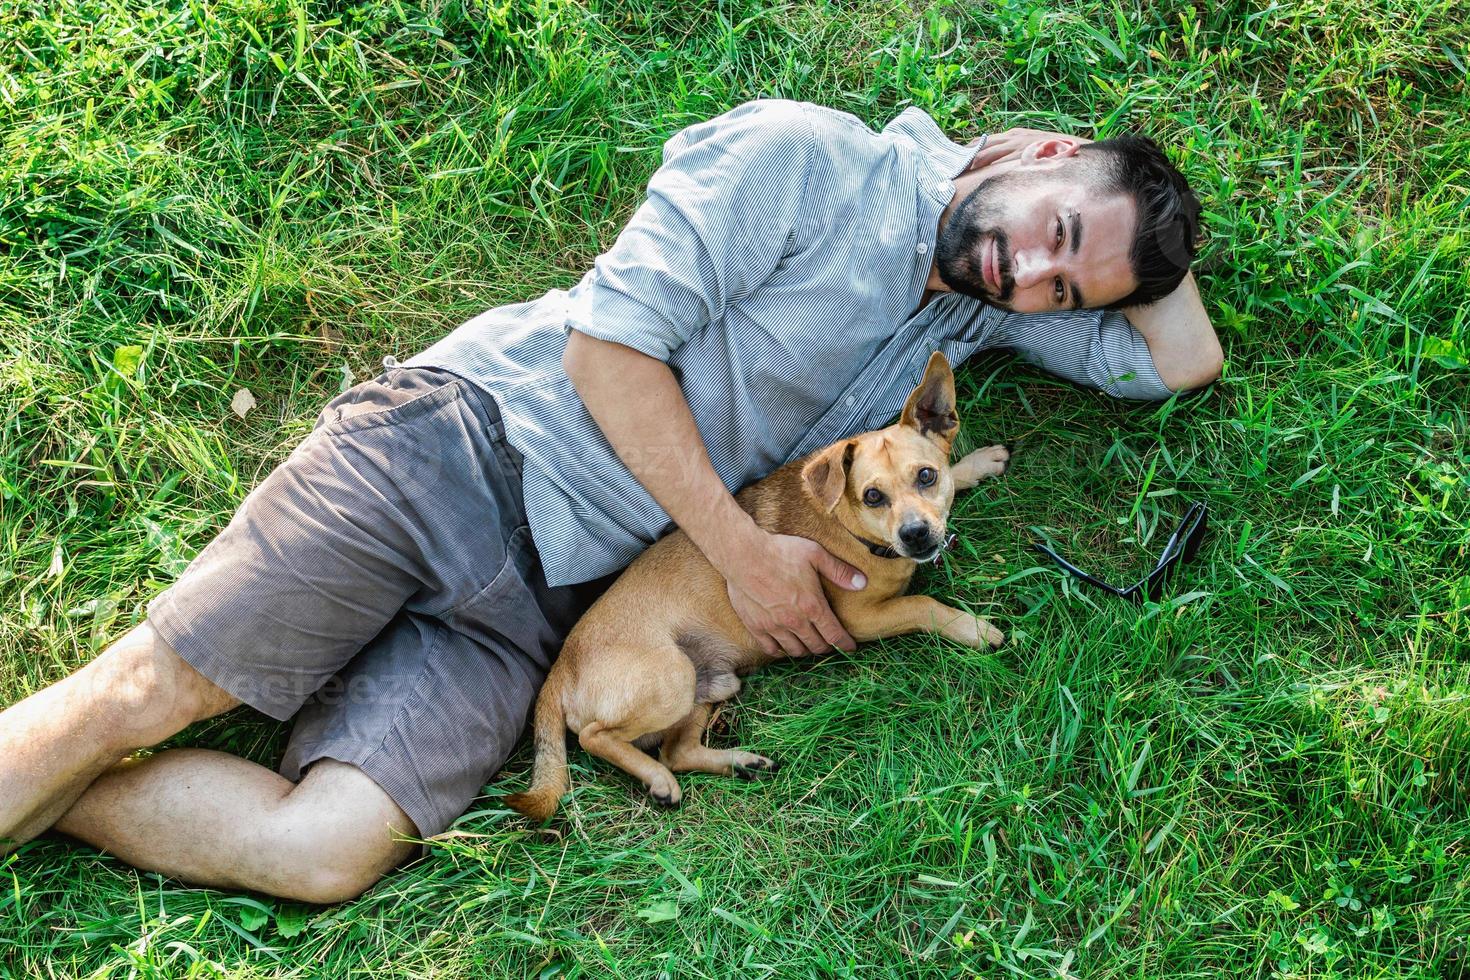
[1182,546]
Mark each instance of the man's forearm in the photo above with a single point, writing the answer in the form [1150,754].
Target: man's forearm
[1180,337]
[637,402]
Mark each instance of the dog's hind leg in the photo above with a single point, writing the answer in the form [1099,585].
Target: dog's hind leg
[662,785]
[630,695]
[684,751]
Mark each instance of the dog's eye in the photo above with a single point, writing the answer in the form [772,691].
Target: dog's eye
[873,496]
[927,476]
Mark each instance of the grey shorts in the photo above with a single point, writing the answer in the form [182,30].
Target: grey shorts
[381,586]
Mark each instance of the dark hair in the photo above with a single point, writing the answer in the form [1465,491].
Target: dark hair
[1168,212]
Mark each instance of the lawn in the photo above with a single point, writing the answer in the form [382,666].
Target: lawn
[1268,774]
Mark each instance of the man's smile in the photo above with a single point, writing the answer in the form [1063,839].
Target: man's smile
[990,265]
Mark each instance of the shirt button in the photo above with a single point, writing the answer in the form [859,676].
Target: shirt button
[922,248]
[849,400]
[944,187]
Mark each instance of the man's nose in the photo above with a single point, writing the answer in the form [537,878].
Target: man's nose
[1032,266]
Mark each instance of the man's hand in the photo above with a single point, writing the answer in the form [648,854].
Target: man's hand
[776,589]
[772,578]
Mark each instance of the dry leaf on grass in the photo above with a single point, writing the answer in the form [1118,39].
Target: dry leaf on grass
[243,402]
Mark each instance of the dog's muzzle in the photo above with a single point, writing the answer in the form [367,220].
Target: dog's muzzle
[937,553]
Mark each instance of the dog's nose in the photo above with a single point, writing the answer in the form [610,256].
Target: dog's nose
[915,534]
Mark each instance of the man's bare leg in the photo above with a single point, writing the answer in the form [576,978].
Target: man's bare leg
[57,741]
[206,816]
[216,819]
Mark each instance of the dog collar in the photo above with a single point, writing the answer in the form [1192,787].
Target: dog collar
[878,550]
[883,551]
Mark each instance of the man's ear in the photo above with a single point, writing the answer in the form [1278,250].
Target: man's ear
[931,406]
[825,474]
[1050,149]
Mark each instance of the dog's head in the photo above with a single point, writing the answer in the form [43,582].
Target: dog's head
[892,486]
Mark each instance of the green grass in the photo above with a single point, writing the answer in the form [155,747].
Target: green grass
[1265,776]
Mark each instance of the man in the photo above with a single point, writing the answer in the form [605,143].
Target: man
[402,581]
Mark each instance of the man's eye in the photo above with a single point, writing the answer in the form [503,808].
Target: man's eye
[1059,231]
[1061,292]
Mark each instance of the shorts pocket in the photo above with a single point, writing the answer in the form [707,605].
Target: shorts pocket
[395,395]
[507,611]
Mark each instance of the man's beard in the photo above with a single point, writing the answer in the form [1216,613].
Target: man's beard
[957,250]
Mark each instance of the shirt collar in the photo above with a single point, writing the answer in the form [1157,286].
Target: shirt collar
[940,158]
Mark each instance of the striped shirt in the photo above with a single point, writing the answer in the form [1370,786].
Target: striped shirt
[776,266]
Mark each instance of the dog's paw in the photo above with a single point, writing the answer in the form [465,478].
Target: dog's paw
[975,632]
[748,765]
[982,464]
[992,460]
[992,636]
[665,792]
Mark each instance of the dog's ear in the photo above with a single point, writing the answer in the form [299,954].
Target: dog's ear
[931,406]
[825,474]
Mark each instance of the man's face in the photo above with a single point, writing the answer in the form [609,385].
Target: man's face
[1037,240]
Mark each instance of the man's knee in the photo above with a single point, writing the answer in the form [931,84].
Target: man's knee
[148,691]
[338,833]
[342,875]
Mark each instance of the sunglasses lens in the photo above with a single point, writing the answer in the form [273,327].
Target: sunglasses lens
[1157,580]
[1183,546]
[1196,535]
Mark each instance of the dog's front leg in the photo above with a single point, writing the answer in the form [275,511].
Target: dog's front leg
[912,613]
[979,465]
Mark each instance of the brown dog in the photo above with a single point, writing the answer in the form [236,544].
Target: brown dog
[647,661]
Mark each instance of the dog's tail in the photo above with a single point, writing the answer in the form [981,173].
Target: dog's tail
[550,782]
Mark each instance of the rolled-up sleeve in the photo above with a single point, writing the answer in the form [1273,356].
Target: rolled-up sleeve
[1097,348]
[722,209]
